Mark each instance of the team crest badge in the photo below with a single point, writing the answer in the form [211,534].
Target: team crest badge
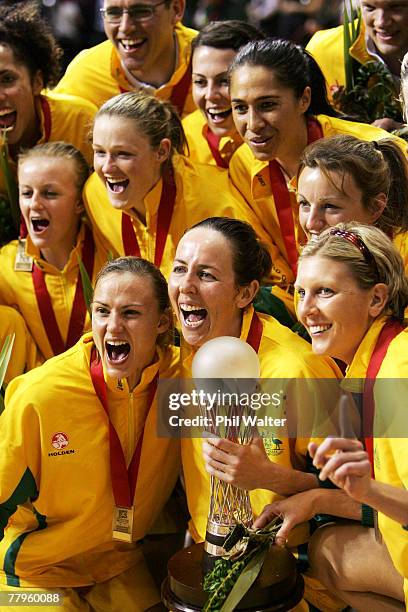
[59,440]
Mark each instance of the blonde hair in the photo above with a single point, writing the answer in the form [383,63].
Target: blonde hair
[60,150]
[379,262]
[156,119]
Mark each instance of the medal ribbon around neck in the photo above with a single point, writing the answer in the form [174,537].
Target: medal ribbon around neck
[123,479]
[282,198]
[165,213]
[214,143]
[390,330]
[255,332]
[78,312]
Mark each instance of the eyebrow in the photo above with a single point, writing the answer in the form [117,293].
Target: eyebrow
[134,304]
[198,74]
[201,266]
[324,197]
[268,97]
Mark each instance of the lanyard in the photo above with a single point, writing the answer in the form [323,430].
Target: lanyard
[214,143]
[123,479]
[391,329]
[282,198]
[255,332]
[78,312]
[179,92]
[166,206]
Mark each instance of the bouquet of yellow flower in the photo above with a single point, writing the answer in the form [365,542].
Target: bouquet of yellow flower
[370,91]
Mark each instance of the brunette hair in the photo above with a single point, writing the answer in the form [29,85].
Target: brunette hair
[376,167]
[294,67]
[250,257]
[229,34]
[28,35]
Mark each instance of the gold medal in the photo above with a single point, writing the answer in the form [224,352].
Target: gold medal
[23,262]
[122,524]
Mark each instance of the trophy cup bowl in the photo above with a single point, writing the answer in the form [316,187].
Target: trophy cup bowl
[230,367]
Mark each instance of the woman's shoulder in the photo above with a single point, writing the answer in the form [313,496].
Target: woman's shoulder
[288,355]
[395,363]
[65,375]
[332,126]
[170,366]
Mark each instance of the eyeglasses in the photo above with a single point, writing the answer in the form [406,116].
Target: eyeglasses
[137,12]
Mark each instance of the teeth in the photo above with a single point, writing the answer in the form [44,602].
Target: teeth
[314,329]
[190,307]
[117,342]
[5,111]
[216,111]
[130,41]
[114,180]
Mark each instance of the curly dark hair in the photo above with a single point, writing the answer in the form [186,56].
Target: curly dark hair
[23,29]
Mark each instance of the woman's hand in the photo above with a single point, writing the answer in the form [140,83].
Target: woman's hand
[248,466]
[346,463]
[242,465]
[293,510]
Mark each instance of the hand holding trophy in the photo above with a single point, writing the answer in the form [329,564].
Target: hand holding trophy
[206,576]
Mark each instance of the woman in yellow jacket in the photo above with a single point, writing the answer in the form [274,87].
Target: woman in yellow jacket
[210,130]
[29,113]
[216,274]
[40,276]
[144,193]
[343,178]
[352,295]
[83,474]
[279,106]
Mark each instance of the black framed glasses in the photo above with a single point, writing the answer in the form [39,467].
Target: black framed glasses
[136,12]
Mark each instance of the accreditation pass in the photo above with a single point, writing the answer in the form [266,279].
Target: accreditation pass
[31,598]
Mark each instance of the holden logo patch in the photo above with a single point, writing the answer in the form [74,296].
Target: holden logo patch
[59,440]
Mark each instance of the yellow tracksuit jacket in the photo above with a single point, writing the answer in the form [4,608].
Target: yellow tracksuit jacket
[17,289]
[56,502]
[327,48]
[201,191]
[282,355]
[390,453]
[199,151]
[96,74]
[62,117]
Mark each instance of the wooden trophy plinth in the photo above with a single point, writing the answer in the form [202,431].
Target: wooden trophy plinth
[278,587]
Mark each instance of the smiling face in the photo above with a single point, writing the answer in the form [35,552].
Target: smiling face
[267,115]
[17,100]
[125,324]
[386,24]
[125,161]
[145,45]
[210,88]
[202,287]
[334,309]
[326,199]
[50,201]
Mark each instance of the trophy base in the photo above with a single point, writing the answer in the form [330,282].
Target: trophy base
[278,587]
